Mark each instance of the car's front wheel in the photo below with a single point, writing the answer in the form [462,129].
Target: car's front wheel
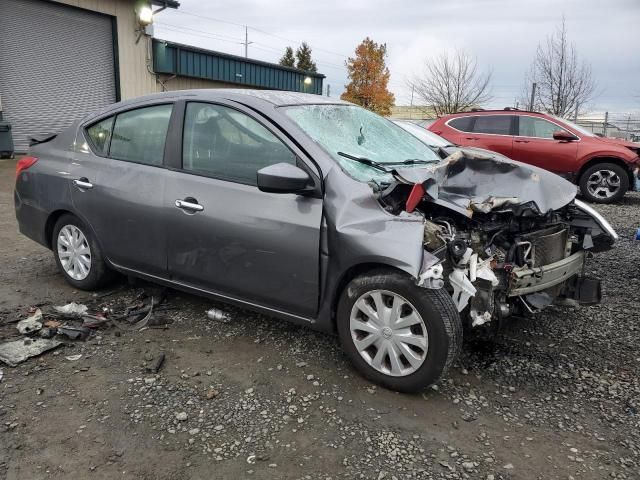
[397,334]
[604,183]
[78,255]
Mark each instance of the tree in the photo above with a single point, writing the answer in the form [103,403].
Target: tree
[288,60]
[563,83]
[452,83]
[303,55]
[369,78]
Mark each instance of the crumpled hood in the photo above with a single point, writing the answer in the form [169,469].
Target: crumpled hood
[469,182]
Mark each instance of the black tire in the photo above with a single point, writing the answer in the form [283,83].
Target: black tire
[440,316]
[99,274]
[605,166]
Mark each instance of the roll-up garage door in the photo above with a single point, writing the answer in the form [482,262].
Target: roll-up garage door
[56,64]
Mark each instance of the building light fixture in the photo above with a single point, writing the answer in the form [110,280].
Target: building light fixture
[145,15]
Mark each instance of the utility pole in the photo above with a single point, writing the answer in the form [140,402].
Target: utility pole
[246,42]
[604,127]
[533,96]
[328,90]
[413,87]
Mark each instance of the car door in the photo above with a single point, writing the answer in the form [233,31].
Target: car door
[492,132]
[535,145]
[227,236]
[118,184]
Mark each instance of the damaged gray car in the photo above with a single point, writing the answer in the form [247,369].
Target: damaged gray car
[313,210]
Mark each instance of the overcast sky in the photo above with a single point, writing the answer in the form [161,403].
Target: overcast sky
[503,34]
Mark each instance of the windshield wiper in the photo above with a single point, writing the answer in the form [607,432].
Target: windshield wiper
[365,161]
[383,166]
[414,161]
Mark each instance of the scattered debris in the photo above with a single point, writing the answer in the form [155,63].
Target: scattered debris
[47,332]
[73,308]
[1,375]
[130,313]
[74,333]
[52,323]
[218,315]
[30,324]
[73,358]
[157,364]
[16,352]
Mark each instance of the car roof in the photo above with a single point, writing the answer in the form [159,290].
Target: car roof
[252,97]
[511,111]
[275,97]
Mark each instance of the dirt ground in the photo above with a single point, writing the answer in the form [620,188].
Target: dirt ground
[553,397]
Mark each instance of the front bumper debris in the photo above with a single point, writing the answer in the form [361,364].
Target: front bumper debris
[529,280]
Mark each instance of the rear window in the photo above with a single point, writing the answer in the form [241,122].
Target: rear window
[463,123]
[493,124]
[100,134]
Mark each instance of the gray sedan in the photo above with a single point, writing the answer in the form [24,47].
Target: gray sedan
[313,210]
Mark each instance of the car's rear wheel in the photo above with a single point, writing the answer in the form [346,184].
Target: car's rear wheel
[397,334]
[78,255]
[604,183]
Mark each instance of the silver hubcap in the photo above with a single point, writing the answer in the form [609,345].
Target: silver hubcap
[603,183]
[74,252]
[389,333]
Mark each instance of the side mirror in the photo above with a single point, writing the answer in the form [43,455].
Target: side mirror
[283,178]
[564,136]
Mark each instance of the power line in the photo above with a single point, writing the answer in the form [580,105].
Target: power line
[256,29]
[208,34]
[214,36]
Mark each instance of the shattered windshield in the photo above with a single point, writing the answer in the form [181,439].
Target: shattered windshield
[356,132]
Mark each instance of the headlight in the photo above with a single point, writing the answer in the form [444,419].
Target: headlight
[606,226]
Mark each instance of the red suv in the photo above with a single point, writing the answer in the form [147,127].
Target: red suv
[604,168]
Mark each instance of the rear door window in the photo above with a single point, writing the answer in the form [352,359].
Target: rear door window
[493,124]
[463,123]
[536,127]
[139,135]
[99,135]
[227,144]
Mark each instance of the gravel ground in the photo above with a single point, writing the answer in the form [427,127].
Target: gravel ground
[552,397]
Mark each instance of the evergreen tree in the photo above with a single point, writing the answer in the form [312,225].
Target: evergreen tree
[288,60]
[303,54]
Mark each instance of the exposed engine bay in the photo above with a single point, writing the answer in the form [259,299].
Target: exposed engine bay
[501,241]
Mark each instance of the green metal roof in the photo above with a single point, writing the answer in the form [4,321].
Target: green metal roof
[186,61]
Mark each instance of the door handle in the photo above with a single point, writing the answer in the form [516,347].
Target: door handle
[190,205]
[83,183]
[472,138]
[521,141]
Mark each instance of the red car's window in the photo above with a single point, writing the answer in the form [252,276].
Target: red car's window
[463,123]
[493,124]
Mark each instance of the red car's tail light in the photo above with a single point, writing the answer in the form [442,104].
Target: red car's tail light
[24,163]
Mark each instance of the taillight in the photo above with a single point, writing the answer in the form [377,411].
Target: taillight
[24,163]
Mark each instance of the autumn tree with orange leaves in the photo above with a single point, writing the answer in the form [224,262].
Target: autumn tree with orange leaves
[369,78]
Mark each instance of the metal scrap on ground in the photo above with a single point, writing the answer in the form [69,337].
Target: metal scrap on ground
[16,352]
[40,328]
